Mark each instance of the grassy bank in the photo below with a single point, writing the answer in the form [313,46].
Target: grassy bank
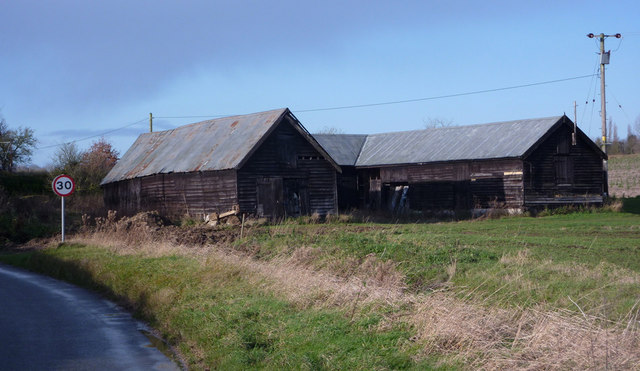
[554,292]
[518,261]
[222,319]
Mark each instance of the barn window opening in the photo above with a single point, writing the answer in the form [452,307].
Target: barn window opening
[564,170]
[310,158]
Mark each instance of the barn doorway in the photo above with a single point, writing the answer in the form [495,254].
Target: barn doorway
[278,198]
[296,199]
[269,192]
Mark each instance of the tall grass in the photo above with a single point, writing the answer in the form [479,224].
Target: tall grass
[555,292]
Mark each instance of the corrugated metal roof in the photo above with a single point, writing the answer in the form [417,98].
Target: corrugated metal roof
[343,148]
[475,142]
[208,145]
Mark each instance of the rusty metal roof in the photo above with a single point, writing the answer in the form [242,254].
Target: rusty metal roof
[344,148]
[217,144]
[473,142]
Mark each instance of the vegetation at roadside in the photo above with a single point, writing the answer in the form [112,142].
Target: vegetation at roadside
[591,257]
[221,320]
[303,294]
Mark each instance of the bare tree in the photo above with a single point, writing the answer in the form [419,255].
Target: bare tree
[67,158]
[16,146]
[436,122]
[329,130]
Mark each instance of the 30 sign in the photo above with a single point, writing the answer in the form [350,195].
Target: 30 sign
[63,185]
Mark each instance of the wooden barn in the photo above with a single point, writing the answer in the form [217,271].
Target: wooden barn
[514,165]
[265,164]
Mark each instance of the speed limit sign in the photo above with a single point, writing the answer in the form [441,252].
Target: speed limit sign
[63,185]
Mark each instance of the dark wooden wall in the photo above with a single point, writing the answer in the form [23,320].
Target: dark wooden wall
[288,165]
[348,195]
[175,194]
[457,185]
[558,172]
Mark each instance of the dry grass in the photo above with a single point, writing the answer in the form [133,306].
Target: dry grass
[532,339]
[624,175]
[461,330]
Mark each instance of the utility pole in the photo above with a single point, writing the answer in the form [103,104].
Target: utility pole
[575,124]
[150,122]
[604,59]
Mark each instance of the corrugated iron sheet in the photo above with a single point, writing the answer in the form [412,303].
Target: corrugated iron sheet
[343,148]
[475,142]
[208,145]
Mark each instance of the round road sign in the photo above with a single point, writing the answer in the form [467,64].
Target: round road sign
[63,185]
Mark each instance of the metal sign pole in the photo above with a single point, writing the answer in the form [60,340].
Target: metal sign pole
[63,185]
[62,218]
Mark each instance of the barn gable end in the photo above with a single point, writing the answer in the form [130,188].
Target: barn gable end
[512,165]
[219,165]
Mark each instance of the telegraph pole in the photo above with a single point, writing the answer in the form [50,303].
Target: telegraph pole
[150,122]
[604,59]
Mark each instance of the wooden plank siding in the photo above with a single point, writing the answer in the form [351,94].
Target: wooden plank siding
[458,185]
[347,185]
[175,194]
[559,172]
[287,155]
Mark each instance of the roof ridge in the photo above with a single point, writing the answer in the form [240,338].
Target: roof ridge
[221,118]
[456,127]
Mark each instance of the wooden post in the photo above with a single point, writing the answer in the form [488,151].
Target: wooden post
[575,124]
[242,227]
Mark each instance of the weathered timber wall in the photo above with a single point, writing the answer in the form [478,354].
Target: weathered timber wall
[558,172]
[175,194]
[287,161]
[348,196]
[457,185]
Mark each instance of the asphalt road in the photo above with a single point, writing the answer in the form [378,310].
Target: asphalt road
[51,325]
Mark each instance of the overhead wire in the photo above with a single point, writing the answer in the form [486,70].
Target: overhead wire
[591,85]
[93,136]
[442,96]
[339,107]
[620,105]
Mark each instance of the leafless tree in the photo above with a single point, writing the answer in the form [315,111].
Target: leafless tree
[329,130]
[67,158]
[16,146]
[437,122]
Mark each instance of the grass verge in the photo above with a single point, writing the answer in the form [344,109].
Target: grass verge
[554,292]
[222,319]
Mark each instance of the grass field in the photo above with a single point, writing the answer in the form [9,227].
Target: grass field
[553,292]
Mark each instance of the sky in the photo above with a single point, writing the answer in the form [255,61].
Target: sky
[79,70]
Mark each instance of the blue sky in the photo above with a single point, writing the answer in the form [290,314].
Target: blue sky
[76,69]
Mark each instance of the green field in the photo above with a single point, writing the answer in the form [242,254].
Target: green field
[553,292]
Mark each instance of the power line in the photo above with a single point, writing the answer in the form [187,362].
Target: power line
[591,84]
[443,96]
[93,136]
[189,117]
[620,105]
[339,107]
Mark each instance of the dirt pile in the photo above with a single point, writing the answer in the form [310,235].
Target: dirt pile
[150,227]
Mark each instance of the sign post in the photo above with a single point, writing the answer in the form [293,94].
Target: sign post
[63,186]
